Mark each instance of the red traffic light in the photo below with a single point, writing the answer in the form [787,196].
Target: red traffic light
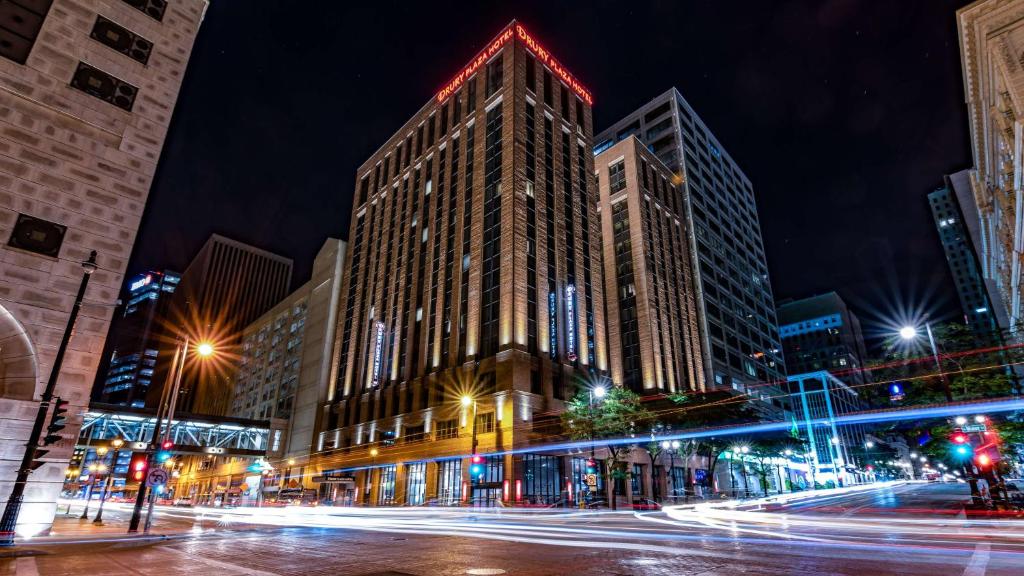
[167,445]
[959,438]
[137,467]
[477,459]
[983,460]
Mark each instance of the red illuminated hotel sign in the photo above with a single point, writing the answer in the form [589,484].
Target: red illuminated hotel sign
[515,30]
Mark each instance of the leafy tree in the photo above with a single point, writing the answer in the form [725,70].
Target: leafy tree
[618,415]
[706,409]
[762,452]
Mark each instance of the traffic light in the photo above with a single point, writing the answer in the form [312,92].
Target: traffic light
[165,451]
[476,467]
[137,467]
[591,466]
[959,438]
[58,421]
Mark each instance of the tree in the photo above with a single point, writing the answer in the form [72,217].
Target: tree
[762,453]
[618,415]
[702,410]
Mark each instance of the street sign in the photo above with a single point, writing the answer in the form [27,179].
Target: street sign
[591,479]
[973,428]
[156,477]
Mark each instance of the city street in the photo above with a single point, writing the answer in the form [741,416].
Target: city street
[902,529]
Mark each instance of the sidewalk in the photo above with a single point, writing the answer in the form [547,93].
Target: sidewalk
[71,528]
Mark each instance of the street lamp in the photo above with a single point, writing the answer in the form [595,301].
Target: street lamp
[672,447]
[466,402]
[165,411]
[909,333]
[960,420]
[9,520]
[869,444]
[116,443]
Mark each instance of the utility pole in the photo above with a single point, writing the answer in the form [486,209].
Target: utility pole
[9,521]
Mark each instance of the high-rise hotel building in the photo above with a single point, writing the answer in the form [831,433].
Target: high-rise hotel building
[474,273]
[735,307]
[652,320]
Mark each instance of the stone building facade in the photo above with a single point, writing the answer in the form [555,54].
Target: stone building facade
[88,89]
[991,44]
[285,363]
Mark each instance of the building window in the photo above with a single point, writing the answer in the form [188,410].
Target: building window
[447,429]
[485,423]
[542,479]
[491,264]
[617,176]
[548,97]
[449,482]
[636,480]
[386,488]
[20,21]
[98,83]
[152,8]
[416,483]
[121,39]
[495,76]
[531,74]
[37,235]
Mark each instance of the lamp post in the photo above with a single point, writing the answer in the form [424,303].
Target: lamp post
[168,401]
[369,474]
[94,471]
[9,521]
[595,392]
[466,402]
[116,443]
[672,448]
[909,333]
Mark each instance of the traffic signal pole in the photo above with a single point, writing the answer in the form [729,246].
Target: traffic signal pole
[140,496]
[9,521]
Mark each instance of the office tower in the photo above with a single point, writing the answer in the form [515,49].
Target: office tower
[735,309]
[88,92]
[227,285]
[983,315]
[994,90]
[473,271]
[135,343]
[822,333]
[653,338]
[287,354]
[819,400]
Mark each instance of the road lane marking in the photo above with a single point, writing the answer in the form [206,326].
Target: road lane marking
[979,560]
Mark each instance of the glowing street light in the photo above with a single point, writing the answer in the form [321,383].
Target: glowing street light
[204,349]
[979,419]
[910,333]
[599,392]
[869,444]
[960,420]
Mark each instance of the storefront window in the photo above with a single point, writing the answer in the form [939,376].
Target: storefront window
[386,491]
[449,482]
[416,483]
[541,479]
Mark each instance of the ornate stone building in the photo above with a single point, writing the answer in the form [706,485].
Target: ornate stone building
[992,54]
[87,88]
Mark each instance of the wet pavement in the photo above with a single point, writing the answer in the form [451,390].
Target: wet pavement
[897,530]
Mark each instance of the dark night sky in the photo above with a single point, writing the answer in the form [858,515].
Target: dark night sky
[843,114]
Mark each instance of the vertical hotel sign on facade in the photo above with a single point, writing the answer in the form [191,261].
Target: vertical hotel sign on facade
[515,30]
[570,322]
[378,353]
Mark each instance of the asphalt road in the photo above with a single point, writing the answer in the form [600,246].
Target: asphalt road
[911,530]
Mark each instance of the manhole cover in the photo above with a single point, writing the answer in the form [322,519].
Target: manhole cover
[484,571]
